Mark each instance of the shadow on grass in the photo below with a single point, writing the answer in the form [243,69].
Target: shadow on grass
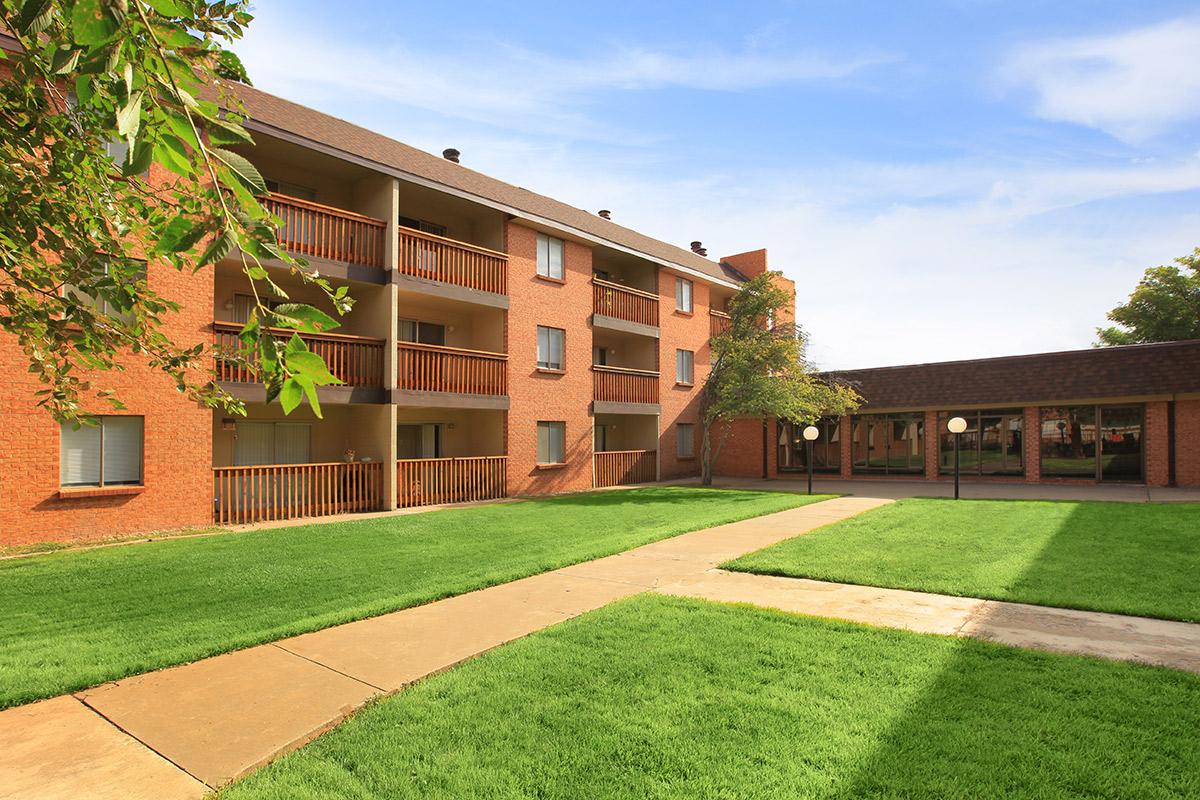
[978,729]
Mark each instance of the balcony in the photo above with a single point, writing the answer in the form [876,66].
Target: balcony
[319,231]
[624,467]
[616,302]
[435,258]
[624,385]
[436,481]
[357,361]
[452,371]
[718,322]
[284,491]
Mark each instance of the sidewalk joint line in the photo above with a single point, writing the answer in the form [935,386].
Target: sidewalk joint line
[142,742]
[326,666]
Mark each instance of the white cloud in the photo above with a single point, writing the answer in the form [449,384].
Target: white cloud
[1133,85]
[492,82]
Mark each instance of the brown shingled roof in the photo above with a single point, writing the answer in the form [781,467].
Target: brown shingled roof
[1134,370]
[284,115]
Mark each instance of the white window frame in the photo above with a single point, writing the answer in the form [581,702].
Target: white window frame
[101,426]
[684,295]
[550,426]
[685,367]
[551,257]
[685,432]
[547,338]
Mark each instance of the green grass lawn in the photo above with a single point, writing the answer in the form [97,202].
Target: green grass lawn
[658,697]
[1127,558]
[72,620]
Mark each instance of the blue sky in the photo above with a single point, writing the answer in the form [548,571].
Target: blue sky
[941,179]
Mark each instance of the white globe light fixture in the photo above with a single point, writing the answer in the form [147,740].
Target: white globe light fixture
[811,434]
[956,425]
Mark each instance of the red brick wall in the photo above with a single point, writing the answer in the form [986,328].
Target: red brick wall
[742,455]
[177,450]
[680,331]
[1187,442]
[750,264]
[1156,446]
[535,395]
[933,436]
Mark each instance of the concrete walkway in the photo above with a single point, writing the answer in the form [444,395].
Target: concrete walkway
[180,732]
[1090,633]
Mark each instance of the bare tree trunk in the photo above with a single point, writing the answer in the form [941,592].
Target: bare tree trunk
[706,459]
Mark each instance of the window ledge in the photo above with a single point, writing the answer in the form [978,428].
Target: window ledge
[549,279]
[76,492]
[681,313]
[685,458]
[556,465]
[685,384]
[551,371]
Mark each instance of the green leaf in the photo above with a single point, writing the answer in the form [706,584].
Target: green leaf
[35,17]
[242,168]
[139,159]
[290,395]
[218,248]
[91,22]
[129,118]
[303,317]
[311,366]
[64,60]
[310,390]
[170,8]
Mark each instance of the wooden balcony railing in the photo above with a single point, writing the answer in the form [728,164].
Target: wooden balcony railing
[621,385]
[434,481]
[312,229]
[621,467]
[432,368]
[622,302]
[436,258]
[718,322]
[284,491]
[355,360]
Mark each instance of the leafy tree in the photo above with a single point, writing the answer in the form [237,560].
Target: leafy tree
[759,370]
[1165,306]
[101,90]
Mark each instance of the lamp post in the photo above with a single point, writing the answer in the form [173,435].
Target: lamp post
[810,435]
[956,425]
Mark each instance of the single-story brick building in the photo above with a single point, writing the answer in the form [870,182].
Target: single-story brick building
[1105,414]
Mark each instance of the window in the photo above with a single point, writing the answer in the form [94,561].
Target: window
[291,190]
[991,444]
[108,453]
[683,295]
[827,448]
[549,257]
[551,442]
[411,330]
[258,443]
[684,366]
[419,440]
[243,304]
[685,440]
[423,225]
[1099,442]
[888,443]
[550,348]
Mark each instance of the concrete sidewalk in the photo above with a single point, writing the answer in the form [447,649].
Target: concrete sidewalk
[1090,633]
[179,732]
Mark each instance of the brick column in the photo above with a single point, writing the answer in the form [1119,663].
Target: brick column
[1031,437]
[1155,445]
[933,435]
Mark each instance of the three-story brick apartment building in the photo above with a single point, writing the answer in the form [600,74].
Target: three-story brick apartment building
[502,343]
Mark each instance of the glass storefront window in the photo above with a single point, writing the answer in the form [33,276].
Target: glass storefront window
[991,445]
[827,449]
[1099,442]
[888,443]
